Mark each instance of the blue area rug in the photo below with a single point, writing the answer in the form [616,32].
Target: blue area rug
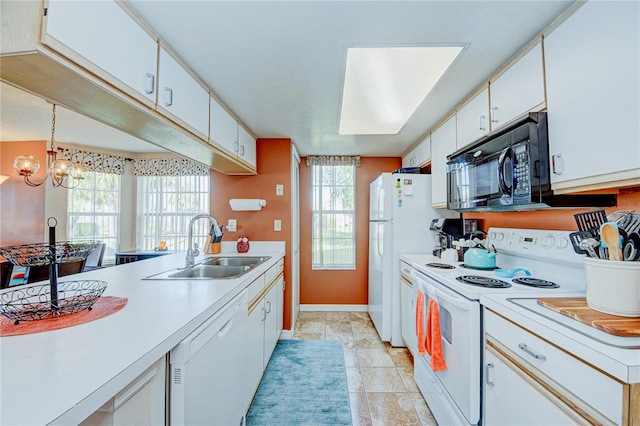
[305,383]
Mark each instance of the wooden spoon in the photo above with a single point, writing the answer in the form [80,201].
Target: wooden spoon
[611,237]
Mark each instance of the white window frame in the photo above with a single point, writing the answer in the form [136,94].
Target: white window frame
[112,241]
[317,194]
[181,218]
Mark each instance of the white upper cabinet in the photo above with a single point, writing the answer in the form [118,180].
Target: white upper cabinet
[519,90]
[182,96]
[592,65]
[420,155]
[102,36]
[224,128]
[443,143]
[246,146]
[472,120]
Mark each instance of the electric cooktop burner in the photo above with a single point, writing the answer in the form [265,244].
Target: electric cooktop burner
[441,265]
[535,282]
[479,269]
[483,281]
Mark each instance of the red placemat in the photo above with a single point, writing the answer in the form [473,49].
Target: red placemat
[105,305]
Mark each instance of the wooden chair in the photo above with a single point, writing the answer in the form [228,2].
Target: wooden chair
[41,273]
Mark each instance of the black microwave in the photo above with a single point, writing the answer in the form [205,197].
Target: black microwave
[509,170]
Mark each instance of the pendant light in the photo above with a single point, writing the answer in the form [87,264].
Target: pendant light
[61,171]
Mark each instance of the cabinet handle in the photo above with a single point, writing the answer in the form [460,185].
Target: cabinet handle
[483,126]
[556,164]
[168,96]
[494,114]
[486,374]
[264,314]
[150,84]
[528,351]
[242,150]
[236,147]
[269,305]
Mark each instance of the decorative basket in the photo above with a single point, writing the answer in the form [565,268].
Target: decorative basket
[33,302]
[42,254]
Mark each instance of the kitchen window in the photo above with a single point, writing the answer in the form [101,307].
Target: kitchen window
[166,204]
[93,211]
[333,235]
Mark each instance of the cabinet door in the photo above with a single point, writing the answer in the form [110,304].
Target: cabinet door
[443,143]
[408,315]
[247,146]
[182,96]
[519,89]
[280,309]
[472,120]
[592,88]
[511,397]
[271,322]
[106,36]
[409,160]
[255,349]
[423,151]
[224,128]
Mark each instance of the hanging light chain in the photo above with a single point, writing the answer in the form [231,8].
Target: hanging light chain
[53,126]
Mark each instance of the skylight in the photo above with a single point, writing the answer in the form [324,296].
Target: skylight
[383,86]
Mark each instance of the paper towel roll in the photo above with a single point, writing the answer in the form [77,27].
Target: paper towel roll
[247,204]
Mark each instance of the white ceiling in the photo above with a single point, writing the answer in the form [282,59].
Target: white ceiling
[279,64]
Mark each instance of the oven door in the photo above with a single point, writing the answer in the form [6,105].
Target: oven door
[460,330]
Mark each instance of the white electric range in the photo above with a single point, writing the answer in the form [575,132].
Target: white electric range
[454,395]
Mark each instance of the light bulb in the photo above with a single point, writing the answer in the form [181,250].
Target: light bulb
[26,165]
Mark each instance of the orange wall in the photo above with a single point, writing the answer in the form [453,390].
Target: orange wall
[21,206]
[274,167]
[549,219]
[340,287]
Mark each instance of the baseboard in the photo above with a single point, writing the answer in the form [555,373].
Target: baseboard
[286,335]
[339,308]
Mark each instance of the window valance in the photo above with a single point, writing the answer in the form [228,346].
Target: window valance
[94,162]
[334,160]
[170,167]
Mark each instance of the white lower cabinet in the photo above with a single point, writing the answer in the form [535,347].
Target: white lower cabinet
[534,405]
[407,307]
[142,402]
[264,326]
[529,381]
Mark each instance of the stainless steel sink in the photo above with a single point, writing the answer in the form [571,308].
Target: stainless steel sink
[222,267]
[235,260]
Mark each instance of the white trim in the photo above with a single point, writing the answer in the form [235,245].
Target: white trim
[339,308]
[286,335]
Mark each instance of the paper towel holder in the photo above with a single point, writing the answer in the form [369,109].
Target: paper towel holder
[247,204]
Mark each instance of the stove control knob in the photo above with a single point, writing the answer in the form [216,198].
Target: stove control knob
[548,241]
[499,236]
[563,242]
[492,235]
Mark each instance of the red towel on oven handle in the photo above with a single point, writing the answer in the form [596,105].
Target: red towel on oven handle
[420,322]
[434,337]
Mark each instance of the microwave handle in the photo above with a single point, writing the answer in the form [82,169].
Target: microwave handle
[506,154]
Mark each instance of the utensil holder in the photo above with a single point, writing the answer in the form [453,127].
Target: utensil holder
[613,287]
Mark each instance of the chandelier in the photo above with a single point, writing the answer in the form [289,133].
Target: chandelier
[63,173]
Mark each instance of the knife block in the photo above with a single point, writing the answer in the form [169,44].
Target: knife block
[213,248]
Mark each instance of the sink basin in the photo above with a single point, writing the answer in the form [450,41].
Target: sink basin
[235,260]
[212,268]
[202,272]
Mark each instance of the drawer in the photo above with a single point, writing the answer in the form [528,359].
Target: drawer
[273,272]
[603,393]
[255,288]
[405,269]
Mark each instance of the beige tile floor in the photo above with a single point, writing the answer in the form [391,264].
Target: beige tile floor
[380,377]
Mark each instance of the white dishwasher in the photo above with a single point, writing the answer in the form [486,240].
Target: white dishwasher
[208,370]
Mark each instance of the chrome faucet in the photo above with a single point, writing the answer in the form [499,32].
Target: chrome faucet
[192,250]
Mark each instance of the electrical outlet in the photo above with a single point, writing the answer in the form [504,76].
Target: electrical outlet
[277,225]
[279,190]
[231,225]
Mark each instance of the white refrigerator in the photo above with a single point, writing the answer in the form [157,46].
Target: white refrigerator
[399,216]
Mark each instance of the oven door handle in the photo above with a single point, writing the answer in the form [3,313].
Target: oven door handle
[442,294]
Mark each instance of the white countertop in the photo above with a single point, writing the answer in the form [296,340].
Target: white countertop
[63,376]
